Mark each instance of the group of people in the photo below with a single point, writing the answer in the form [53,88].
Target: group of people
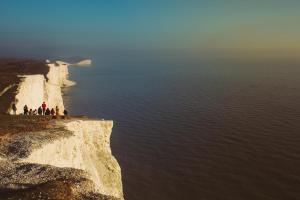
[42,110]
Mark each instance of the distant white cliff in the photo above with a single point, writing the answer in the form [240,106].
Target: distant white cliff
[84,62]
[36,89]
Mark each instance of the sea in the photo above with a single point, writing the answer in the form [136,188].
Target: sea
[192,128]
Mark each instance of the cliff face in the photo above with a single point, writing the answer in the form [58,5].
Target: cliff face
[36,89]
[30,92]
[84,62]
[73,155]
[88,149]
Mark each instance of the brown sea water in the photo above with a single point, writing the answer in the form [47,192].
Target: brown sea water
[197,128]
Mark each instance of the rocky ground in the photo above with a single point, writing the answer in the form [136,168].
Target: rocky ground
[20,135]
[34,181]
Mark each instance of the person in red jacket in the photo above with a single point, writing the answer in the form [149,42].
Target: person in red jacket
[44,107]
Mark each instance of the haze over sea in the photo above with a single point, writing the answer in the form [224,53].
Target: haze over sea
[204,94]
[192,128]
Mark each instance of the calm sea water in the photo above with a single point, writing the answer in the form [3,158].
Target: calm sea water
[197,129]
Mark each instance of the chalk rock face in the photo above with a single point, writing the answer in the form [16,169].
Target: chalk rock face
[76,144]
[87,149]
[83,63]
[53,95]
[36,89]
[31,92]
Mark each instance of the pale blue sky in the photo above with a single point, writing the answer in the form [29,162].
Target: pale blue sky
[216,24]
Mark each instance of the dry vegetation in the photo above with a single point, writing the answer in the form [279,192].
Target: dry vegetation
[54,190]
[14,124]
[23,66]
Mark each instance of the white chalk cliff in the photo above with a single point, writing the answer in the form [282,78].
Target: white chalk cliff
[81,144]
[83,63]
[35,89]
[88,148]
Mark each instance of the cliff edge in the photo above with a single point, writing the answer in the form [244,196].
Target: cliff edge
[42,158]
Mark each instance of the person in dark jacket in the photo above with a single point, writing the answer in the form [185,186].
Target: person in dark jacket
[47,112]
[14,108]
[25,110]
[52,112]
[65,114]
[57,111]
[40,111]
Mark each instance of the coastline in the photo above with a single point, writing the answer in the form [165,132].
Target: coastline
[76,143]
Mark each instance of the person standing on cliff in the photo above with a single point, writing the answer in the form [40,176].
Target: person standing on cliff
[44,107]
[14,108]
[40,111]
[57,111]
[25,110]
[47,112]
[65,114]
[52,112]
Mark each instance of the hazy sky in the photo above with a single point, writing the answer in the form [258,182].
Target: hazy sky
[271,25]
